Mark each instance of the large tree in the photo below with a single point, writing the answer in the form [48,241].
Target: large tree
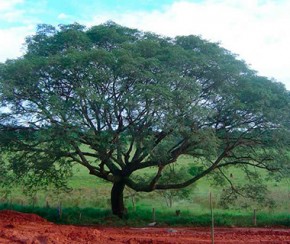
[117,100]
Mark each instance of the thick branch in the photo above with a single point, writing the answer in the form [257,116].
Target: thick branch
[154,181]
[83,161]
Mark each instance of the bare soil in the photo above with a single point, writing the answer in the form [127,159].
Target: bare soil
[23,228]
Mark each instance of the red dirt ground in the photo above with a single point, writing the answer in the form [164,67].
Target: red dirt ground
[23,228]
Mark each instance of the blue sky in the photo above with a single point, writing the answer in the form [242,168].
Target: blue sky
[65,11]
[256,30]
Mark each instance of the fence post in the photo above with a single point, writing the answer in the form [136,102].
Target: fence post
[134,203]
[60,210]
[212,219]
[153,215]
[255,218]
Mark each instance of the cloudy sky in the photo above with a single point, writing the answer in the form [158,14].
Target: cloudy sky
[257,30]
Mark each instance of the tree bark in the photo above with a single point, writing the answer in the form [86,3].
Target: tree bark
[117,202]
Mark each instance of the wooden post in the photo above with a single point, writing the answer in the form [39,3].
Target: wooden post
[255,218]
[212,219]
[153,215]
[60,210]
[34,201]
[133,202]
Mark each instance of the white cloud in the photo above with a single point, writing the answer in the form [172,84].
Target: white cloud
[12,42]
[9,11]
[11,16]
[256,30]
[63,16]
[14,27]
[9,4]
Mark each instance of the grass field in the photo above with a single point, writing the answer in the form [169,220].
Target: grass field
[88,202]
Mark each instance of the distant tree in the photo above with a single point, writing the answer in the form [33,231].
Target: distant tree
[172,195]
[117,100]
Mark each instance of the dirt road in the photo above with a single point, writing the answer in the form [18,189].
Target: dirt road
[17,227]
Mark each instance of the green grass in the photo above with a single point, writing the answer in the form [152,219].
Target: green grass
[142,216]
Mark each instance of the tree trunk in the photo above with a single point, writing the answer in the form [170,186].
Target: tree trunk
[117,202]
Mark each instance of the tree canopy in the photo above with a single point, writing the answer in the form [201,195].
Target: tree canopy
[118,100]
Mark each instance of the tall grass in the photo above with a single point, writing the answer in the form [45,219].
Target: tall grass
[142,216]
